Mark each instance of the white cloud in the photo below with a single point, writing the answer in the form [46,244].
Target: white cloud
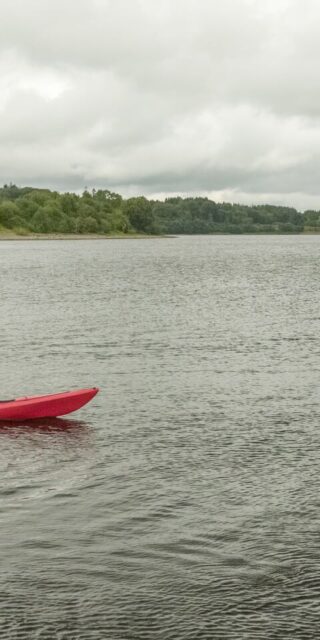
[188,96]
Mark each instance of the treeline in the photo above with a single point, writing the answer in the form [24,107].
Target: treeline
[29,210]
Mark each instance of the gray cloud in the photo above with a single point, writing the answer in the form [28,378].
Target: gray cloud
[180,96]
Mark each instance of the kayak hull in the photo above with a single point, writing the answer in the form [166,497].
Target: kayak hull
[49,406]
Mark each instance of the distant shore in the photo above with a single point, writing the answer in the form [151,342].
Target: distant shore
[74,236]
[7,237]
[33,214]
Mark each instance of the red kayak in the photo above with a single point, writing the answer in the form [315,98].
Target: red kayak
[51,406]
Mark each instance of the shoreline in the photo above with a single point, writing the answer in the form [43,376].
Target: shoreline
[74,236]
[4,237]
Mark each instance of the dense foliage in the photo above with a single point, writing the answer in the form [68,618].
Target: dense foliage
[28,210]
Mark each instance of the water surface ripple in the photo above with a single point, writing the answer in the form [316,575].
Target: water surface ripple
[183,503]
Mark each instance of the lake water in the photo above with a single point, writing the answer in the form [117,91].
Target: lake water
[184,501]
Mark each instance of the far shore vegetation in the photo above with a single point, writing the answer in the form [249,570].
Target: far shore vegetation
[28,211]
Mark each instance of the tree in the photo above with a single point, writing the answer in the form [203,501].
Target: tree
[139,212]
[9,214]
[40,222]
[87,225]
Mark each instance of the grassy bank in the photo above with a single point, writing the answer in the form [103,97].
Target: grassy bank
[7,234]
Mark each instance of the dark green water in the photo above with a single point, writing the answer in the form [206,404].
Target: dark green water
[184,502]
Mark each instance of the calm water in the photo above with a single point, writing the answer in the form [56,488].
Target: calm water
[184,502]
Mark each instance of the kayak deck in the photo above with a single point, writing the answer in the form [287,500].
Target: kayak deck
[47,406]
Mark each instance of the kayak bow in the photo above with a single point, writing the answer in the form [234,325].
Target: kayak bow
[49,406]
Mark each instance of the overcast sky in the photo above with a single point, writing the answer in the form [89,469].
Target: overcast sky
[163,96]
